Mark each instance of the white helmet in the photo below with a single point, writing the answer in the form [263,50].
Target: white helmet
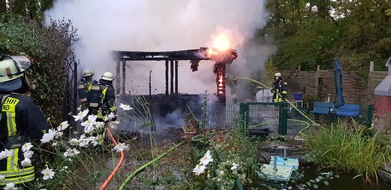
[88,73]
[277,75]
[11,71]
[107,76]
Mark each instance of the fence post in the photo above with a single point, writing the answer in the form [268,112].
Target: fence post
[283,118]
[243,110]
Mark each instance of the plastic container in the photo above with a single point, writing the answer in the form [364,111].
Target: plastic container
[298,96]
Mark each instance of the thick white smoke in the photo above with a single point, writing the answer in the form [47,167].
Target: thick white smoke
[156,25]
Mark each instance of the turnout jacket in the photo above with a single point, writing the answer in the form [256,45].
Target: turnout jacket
[279,91]
[102,99]
[21,121]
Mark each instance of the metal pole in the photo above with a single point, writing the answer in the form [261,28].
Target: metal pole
[284,153]
[75,83]
[275,163]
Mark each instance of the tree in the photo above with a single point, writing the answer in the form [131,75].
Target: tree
[314,32]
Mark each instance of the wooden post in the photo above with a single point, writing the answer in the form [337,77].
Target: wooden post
[172,77]
[123,76]
[317,80]
[166,77]
[176,76]
[118,76]
[371,66]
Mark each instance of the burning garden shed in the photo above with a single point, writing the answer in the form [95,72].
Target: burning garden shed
[172,99]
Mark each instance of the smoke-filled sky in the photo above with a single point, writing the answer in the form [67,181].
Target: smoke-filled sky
[157,25]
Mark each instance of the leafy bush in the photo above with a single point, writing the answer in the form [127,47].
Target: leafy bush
[50,49]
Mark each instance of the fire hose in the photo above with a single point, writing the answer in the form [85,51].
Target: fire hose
[147,164]
[104,185]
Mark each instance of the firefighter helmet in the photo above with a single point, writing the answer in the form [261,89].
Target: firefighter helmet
[277,75]
[12,68]
[88,73]
[107,76]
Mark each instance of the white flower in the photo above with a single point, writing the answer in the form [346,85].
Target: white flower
[110,116]
[10,186]
[125,107]
[99,125]
[121,147]
[83,141]
[234,166]
[199,169]
[26,147]
[96,140]
[206,159]
[28,154]
[113,124]
[80,116]
[221,172]
[2,177]
[89,124]
[5,154]
[71,152]
[47,137]
[73,142]
[47,173]
[26,162]
[58,134]
[63,126]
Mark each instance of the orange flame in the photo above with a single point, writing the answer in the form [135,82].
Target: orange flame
[222,42]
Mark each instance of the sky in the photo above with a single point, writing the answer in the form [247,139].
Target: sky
[169,25]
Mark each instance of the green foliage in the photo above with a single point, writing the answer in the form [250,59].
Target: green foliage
[31,9]
[312,44]
[228,148]
[348,147]
[308,33]
[50,49]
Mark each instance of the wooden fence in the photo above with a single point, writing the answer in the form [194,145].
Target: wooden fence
[320,85]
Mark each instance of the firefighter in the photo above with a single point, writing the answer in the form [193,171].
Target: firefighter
[21,121]
[84,87]
[102,97]
[279,88]
[102,102]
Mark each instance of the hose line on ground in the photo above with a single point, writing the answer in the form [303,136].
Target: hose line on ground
[147,164]
[271,120]
[104,185]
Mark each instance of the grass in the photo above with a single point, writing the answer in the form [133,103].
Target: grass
[350,147]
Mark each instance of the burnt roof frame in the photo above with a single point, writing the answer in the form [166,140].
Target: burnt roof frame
[193,55]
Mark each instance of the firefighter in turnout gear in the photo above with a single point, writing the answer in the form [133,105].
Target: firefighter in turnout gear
[84,87]
[279,88]
[21,121]
[102,97]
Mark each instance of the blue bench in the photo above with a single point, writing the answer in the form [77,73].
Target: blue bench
[322,108]
[348,110]
[326,108]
